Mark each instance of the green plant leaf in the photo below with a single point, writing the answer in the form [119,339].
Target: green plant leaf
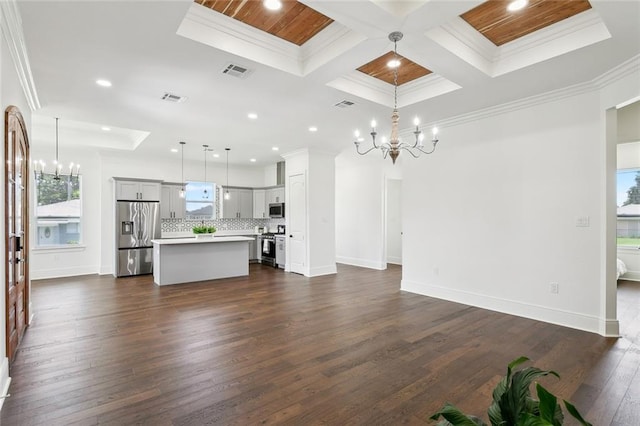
[516,362]
[514,402]
[529,419]
[456,417]
[576,415]
[548,406]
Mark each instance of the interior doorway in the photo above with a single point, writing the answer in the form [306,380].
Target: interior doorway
[393,223]
[16,213]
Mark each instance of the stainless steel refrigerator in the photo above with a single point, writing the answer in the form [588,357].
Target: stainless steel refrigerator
[137,223]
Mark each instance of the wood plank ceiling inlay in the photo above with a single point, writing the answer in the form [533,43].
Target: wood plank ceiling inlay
[496,23]
[408,70]
[295,22]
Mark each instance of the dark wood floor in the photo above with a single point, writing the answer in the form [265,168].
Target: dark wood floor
[277,348]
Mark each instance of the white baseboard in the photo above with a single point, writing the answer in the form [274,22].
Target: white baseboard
[62,272]
[5,380]
[394,260]
[106,270]
[364,263]
[540,313]
[610,328]
[322,270]
[631,276]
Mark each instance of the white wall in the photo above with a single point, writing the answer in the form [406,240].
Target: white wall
[321,213]
[319,171]
[360,209]
[393,203]
[492,221]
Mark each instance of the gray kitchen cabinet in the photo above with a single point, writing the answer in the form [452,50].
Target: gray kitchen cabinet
[239,205]
[137,190]
[260,210]
[275,195]
[172,206]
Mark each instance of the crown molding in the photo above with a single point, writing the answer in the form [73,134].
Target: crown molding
[614,74]
[623,70]
[230,35]
[573,33]
[11,24]
[364,86]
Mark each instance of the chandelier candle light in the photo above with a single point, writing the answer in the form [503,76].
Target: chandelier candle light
[39,166]
[395,145]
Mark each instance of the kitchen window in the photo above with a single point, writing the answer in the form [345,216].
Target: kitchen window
[200,200]
[58,211]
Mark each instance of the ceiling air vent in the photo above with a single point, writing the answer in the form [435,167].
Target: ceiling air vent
[173,98]
[236,71]
[344,104]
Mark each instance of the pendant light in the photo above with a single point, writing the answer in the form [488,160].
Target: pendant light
[205,193]
[227,196]
[182,191]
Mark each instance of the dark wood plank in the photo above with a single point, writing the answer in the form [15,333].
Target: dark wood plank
[295,22]
[408,70]
[348,349]
[496,23]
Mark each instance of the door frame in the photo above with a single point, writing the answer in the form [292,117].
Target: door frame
[14,122]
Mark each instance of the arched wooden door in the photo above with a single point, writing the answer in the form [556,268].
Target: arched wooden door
[16,213]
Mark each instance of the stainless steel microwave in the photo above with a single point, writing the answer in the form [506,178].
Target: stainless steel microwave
[276,210]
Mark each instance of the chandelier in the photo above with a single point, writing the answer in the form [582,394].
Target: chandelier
[39,166]
[395,145]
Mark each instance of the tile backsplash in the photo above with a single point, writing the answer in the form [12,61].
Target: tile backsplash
[185,225]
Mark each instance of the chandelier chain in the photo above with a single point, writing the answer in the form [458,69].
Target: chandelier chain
[395,75]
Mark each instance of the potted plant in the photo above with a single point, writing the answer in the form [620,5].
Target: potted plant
[203,231]
[513,404]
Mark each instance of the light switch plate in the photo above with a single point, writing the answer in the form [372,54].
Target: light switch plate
[582,221]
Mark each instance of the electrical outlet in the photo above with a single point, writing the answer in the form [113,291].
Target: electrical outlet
[554,288]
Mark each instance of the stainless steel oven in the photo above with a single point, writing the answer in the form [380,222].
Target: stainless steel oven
[268,249]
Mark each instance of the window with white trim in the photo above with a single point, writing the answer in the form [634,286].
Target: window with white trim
[58,210]
[628,207]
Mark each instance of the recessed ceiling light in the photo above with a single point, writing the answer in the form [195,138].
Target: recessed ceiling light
[106,129]
[313,129]
[103,83]
[516,5]
[275,148]
[272,4]
[252,115]
[174,149]
[253,160]
[394,63]
[216,155]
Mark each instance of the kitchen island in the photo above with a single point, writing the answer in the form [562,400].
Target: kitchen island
[184,260]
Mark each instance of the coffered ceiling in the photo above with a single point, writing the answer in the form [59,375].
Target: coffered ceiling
[493,20]
[295,22]
[457,57]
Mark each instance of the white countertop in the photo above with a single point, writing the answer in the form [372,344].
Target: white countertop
[193,240]
[219,233]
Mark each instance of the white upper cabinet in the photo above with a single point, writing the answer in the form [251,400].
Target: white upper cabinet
[133,190]
[275,195]
[172,205]
[259,204]
[239,205]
